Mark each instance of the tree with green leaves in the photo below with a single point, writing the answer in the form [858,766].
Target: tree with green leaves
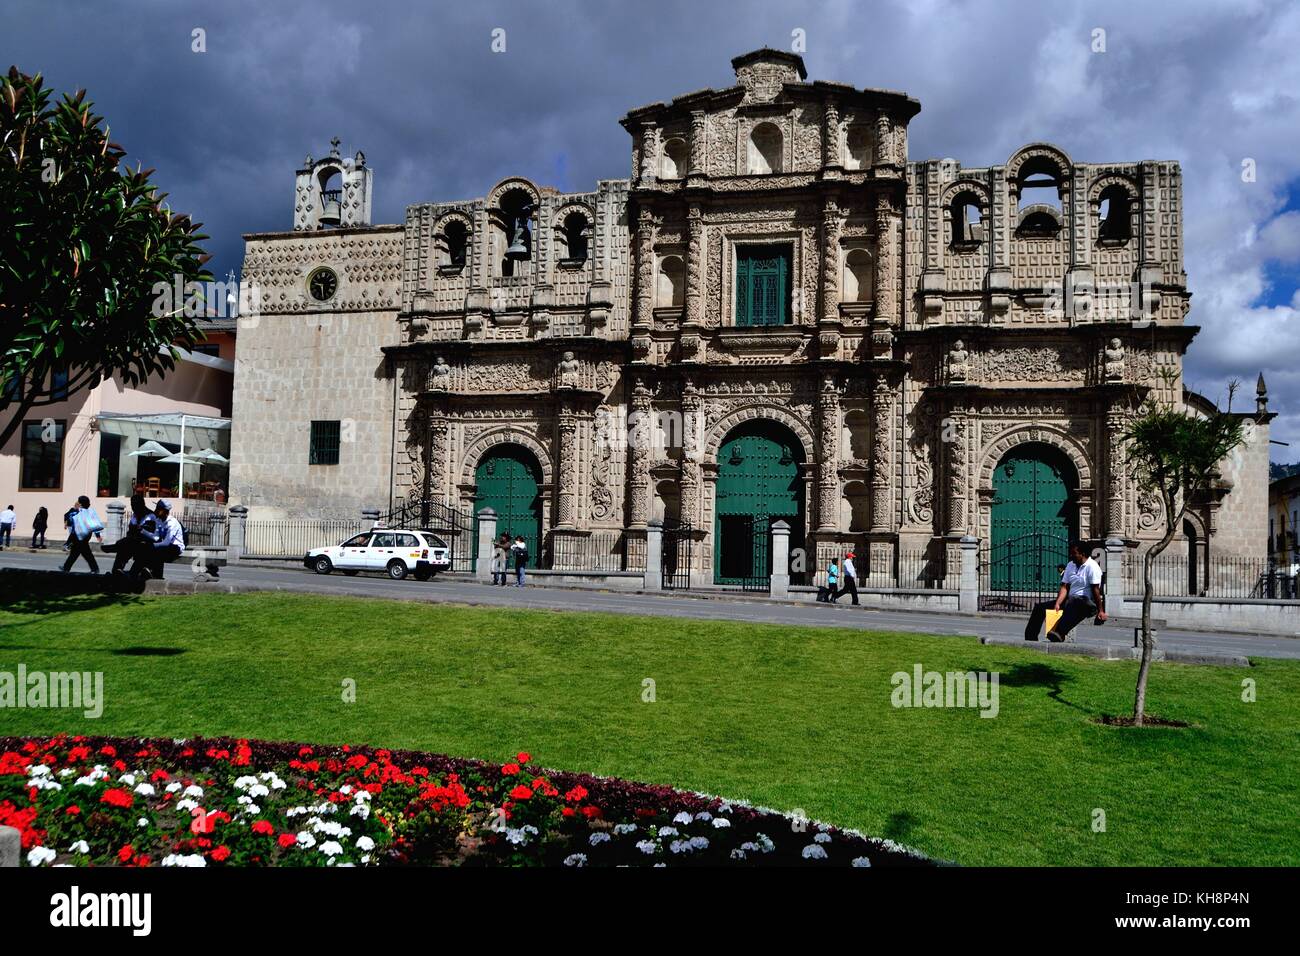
[1176,455]
[85,246]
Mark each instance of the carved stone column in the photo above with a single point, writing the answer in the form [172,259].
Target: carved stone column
[882,455]
[439,477]
[1115,423]
[884,138]
[828,459]
[955,438]
[692,438]
[567,479]
[699,143]
[695,265]
[638,456]
[831,135]
[649,153]
[887,310]
[832,224]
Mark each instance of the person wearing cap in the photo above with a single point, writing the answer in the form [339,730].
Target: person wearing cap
[166,543]
[850,575]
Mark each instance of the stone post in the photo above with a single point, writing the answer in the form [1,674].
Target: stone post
[968,598]
[235,546]
[11,847]
[654,555]
[114,522]
[780,583]
[487,533]
[369,517]
[1115,595]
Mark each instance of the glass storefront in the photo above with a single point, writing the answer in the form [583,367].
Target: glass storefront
[142,453]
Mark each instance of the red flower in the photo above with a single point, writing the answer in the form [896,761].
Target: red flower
[72,811]
[510,769]
[263,827]
[221,853]
[520,793]
[126,853]
[287,840]
[117,798]
[590,812]
[577,794]
[523,757]
[108,750]
[568,812]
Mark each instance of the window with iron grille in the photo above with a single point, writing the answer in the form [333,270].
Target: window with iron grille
[324,443]
[763,284]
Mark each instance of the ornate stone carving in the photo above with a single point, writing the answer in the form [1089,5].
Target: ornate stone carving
[957,362]
[568,371]
[1114,361]
[440,375]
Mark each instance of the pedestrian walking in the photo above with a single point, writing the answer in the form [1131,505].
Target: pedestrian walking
[1079,597]
[850,574]
[824,594]
[500,553]
[520,550]
[39,524]
[85,524]
[8,518]
[68,517]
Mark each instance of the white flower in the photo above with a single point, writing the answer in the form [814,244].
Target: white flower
[142,822]
[257,790]
[360,810]
[576,859]
[306,840]
[682,817]
[184,859]
[699,843]
[252,810]
[66,772]
[597,838]
[623,829]
[647,846]
[39,855]
[366,858]
[667,831]
[244,782]
[822,838]
[749,847]
[365,843]
[345,789]
[173,787]
[128,779]
[681,846]
[40,770]
[40,783]
[183,805]
[720,823]
[737,854]
[331,848]
[517,837]
[813,852]
[81,846]
[765,843]
[860,861]
[704,815]
[193,790]
[145,789]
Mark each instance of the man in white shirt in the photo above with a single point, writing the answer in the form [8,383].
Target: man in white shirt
[1078,598]
[850,575]
[8,518]
[168,539]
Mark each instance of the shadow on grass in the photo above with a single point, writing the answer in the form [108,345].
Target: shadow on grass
[1039,675]
[149,651]
[43,604]
[900,826]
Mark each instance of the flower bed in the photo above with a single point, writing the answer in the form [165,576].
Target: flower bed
[107,801]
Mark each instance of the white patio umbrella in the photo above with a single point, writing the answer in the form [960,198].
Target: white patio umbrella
[150,449]
[209,456]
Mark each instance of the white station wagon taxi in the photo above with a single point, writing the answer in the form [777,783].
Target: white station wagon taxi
[392,551]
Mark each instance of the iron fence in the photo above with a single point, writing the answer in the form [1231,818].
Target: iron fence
[1218,576]
[591,551]
[456,527]
[294,537]
[204,527]
[922,569]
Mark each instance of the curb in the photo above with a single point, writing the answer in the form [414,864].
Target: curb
[1121,652]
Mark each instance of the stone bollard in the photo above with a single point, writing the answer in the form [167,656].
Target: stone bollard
[654,556]
[487,534]
[114,522]
[1115,595]
[236,533]
[968,585]
[11,847]
[779,586]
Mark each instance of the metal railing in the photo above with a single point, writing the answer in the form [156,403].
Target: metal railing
[592,551]
[922,569]
[1219,576]
[294,537]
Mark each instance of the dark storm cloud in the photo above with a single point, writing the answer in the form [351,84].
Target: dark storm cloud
[440,116]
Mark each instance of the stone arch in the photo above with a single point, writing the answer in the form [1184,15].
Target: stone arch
[1037,153]
[1044,434]
[966,185]
[510,184]
[442,237]
[751,412]
[505,435]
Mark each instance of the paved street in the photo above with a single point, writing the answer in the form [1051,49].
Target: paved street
[295,577]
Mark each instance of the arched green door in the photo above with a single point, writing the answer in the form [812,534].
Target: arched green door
[508,479]
[758,483]
[1035,516]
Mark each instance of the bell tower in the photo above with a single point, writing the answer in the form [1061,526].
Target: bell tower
[332,192]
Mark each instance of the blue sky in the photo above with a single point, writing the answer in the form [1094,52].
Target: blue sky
[441,116]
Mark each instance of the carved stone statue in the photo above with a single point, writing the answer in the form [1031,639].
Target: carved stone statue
[569,367]
[1114,365]
[958,358]
[440,374]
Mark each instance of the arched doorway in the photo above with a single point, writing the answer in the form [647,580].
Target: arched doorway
[508,481]
[759,482]
[1035,516]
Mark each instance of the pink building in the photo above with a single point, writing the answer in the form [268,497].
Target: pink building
[84,445]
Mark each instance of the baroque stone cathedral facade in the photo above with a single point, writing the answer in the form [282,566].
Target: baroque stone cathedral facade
[778,316]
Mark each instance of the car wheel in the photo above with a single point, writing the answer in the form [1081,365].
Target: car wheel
[396,570]
[351,574]
[421,575]
[323,565]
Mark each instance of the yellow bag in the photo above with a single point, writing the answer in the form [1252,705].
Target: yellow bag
[1049,622]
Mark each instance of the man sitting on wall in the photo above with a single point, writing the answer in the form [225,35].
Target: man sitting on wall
[168,541]
[1079,597]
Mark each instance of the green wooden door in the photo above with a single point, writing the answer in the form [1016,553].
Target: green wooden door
[1034,518]
[763,285]
[758,482]
[507,480]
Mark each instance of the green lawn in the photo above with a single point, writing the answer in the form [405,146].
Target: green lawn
[778,716]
